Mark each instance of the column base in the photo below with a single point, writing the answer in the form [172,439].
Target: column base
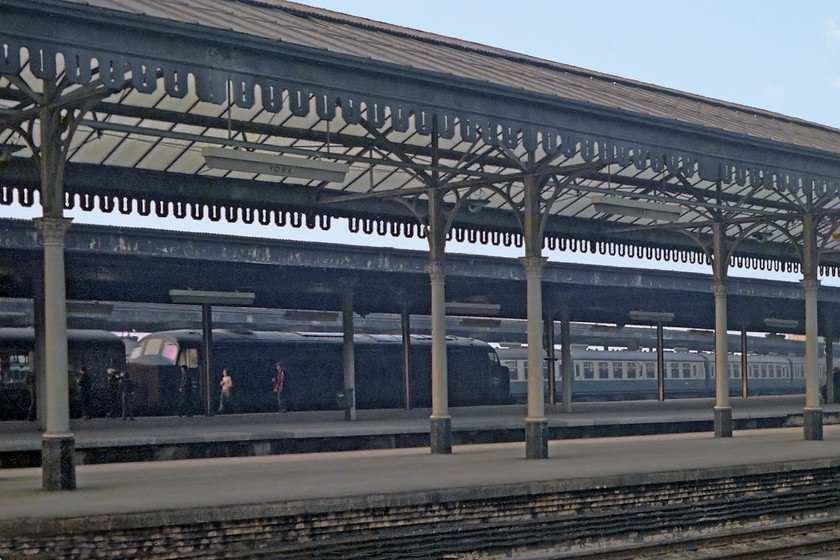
[723,421]
[812,421]
[536,439]
[57,462]
[441,435]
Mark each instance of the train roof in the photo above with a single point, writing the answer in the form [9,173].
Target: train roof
[508,353]
[584,354]
[228,335]
[27,334]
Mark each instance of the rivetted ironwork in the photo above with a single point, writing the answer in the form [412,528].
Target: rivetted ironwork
[277,76]
[615,111]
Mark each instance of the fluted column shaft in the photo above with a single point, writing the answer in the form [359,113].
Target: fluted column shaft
[57,444]
[52,232]
[812,378]
[723,412]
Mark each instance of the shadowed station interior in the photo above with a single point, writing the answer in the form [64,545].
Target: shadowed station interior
[278,114]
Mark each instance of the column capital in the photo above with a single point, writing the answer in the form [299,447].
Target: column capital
[436,269]
[810,285]
[52,230]
[533,264]
[719,289]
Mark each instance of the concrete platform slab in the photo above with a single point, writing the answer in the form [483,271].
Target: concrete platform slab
[300,482]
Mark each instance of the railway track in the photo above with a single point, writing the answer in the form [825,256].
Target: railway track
[578,538]
[778,514]
[802,540]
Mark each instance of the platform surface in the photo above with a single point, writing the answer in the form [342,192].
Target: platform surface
[392,474]
[21,435]
[174,485]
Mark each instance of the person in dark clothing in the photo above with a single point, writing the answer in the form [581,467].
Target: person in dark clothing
[84,383]
[126,391]
[114,398]
[30,386]
[185,390]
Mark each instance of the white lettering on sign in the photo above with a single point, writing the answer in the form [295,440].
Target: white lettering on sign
[279,169]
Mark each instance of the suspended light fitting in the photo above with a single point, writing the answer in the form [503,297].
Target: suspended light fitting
[651,316]
[271,164]
[786,324]
[212,298]
[635,208]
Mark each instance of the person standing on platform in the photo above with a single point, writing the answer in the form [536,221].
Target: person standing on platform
[114,398]
[279,388]
[126,391]
[226,393]
[185,393]
[84,391]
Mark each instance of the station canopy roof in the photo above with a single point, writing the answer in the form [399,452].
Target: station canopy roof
[625,167]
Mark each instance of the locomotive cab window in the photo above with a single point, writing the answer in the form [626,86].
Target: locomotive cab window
[152,347]
[189,358]
[170,351]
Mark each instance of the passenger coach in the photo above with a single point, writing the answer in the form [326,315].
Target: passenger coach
[625,375]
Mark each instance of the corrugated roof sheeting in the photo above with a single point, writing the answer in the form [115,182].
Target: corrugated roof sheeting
[351,36]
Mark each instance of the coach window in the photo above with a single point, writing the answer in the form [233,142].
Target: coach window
[618,370]
[603,370]
[631,370]
[589,370]
[675,371]
[14,368]
[512,369]
[686,370]
[650,370]
[736,371]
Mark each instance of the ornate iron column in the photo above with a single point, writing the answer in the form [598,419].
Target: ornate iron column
[536,423]
[58,444]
